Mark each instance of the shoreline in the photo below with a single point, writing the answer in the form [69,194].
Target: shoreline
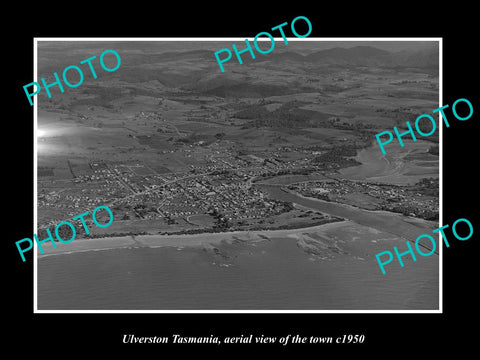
[353,207]
[179,241]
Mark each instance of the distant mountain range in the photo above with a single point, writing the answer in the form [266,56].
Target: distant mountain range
[364,56]
[357,55]
[237,82]
[232,83]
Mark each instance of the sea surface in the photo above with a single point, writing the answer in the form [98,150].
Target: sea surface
[264,275]
[333,268]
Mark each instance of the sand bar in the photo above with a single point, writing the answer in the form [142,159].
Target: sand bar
[107,243]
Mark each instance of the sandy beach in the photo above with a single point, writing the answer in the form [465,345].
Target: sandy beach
[331,266]
[107,243]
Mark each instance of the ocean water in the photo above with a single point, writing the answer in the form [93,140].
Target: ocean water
[263,275]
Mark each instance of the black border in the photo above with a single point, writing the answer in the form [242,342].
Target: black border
[386,333]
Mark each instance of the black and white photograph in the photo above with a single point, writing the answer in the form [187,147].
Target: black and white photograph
[260,187]
[292,179]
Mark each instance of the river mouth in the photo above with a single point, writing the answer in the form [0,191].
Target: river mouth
[329,267]
[397,224]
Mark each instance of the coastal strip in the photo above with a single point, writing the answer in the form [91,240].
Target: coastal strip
[151,241]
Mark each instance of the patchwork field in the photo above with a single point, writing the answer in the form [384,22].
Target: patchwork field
[167,122]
